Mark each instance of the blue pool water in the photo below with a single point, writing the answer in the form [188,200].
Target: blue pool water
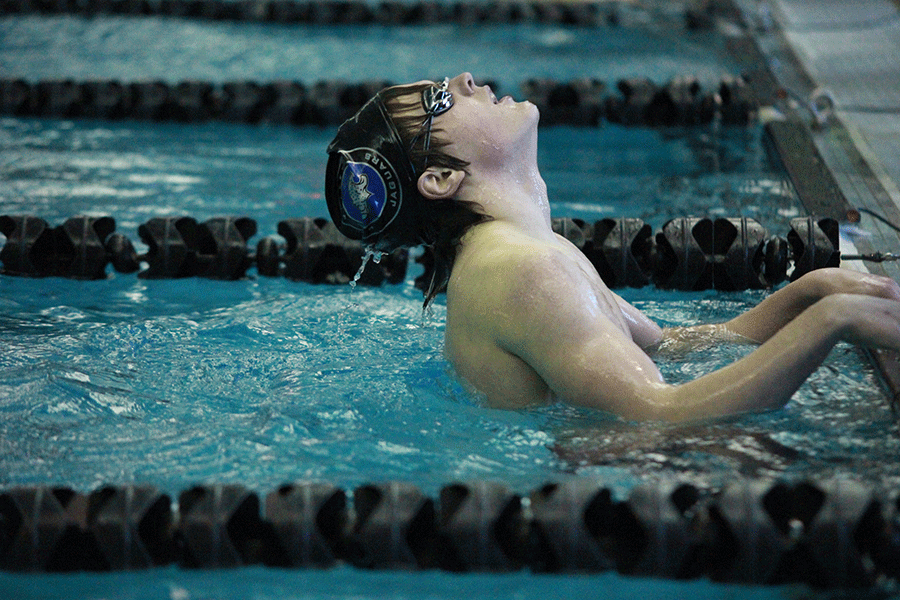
[262,584]
[264,380]
[325,382]
[53,47]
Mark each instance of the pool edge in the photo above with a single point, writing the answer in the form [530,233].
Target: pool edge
[809,156]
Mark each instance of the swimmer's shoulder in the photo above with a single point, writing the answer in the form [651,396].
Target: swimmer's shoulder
[498,250]
[502,264]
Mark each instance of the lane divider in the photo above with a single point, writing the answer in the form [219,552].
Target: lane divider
[356,12]
[827,534]
[586,101]
[688,253]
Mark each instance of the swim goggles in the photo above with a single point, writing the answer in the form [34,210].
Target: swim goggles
[436,100]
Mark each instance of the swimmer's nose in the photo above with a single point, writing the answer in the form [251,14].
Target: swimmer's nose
[463,83]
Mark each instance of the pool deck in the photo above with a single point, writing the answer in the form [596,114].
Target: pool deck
[852,49]
[848,53]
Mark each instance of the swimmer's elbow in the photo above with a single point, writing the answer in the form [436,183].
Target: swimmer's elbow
[658,402]
[649,402]
[666,403]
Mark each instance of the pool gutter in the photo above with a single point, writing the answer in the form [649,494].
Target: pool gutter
[810,151]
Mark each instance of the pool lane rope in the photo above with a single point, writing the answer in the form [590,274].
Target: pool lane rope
[358,12]
[585,101]
[688,253]
[827,534]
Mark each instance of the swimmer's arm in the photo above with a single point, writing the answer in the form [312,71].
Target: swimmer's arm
[765,319]
[762,321]
[673,340]
[587,360]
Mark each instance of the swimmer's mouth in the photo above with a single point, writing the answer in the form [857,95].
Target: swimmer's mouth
[494,99]
[501,100]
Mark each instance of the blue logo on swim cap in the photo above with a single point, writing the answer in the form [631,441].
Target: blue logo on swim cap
[369,189]
[362,192]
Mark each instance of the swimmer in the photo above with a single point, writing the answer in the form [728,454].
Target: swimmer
[529,320]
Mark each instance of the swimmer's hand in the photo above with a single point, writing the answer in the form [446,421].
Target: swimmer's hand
[821,283]
[769,316]
[868,321]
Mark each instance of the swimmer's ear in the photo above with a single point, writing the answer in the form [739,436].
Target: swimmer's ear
[440,182]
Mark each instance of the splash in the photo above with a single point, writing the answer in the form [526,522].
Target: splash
[371,254]
[343,315]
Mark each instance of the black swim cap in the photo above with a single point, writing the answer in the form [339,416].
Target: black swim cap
[370,183]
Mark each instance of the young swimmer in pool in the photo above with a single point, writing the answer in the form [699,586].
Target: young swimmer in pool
[528,318]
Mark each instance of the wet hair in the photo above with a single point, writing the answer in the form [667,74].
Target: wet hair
[445,222]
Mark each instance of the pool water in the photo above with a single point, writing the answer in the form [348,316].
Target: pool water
[141,49]
[264,380]
[267,584]
[135,171]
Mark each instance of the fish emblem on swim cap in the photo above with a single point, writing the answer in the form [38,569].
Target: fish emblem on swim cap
[370,190]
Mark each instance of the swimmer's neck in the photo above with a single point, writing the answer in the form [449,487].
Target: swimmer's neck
[516,197]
